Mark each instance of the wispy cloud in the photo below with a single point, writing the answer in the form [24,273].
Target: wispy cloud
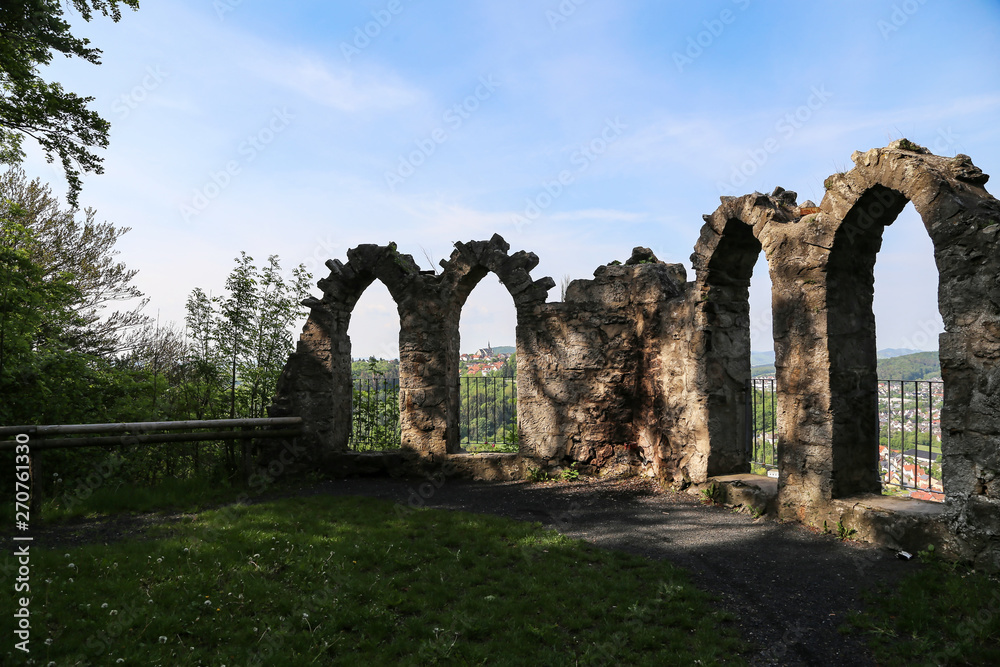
[332,84]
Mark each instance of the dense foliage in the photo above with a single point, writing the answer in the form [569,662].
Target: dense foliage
[76,347]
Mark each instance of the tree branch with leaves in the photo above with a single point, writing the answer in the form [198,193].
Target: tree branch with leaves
[31,33]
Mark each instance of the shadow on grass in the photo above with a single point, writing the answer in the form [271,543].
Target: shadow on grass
[345,580]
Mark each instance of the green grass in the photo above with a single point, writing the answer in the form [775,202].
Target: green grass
[169,495]
[353,581]
[945,614]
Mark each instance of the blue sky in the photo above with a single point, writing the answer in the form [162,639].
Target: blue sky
[307,128]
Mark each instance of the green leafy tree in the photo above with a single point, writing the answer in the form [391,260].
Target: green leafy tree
[31,33]
[234,327]
[203,382]
[60,352]
[277,309]
[67,243]
[239,342]
[34,310]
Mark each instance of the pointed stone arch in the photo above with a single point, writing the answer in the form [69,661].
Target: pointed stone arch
[724,257]
[316,381]
[468,264]
[963,222]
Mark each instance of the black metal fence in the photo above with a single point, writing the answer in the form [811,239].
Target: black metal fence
[375,414]
[910,436]
[909,433]
[761,438]
[488,414]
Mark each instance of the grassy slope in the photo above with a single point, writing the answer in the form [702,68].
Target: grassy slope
[358,581]
[943,615]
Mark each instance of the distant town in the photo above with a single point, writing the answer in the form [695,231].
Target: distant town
[489,360]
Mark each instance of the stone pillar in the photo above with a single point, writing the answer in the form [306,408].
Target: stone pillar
[425,340]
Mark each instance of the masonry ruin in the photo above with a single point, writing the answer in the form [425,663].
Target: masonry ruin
[642,371]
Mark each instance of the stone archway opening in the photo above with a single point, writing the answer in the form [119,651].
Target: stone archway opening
[761,398]
[851,341]
[910,385]
[886,435]
[725,315]
[487,365]
[373,347]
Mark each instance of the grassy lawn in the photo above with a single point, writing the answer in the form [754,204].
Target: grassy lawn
[167,496]
[945,614]
[353,581]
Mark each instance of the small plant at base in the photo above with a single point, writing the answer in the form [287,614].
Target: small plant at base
[571,474]
[843,532]
[710,496]
[537,475]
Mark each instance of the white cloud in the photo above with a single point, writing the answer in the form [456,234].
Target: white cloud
[333,85]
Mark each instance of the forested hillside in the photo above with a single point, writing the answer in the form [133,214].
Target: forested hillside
[914,366]
[919,366]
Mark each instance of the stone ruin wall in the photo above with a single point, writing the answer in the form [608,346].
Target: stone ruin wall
[641,371]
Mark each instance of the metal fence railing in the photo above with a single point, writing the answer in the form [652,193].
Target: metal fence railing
[909,434]
[761,438]
[375,414]
[487,414]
